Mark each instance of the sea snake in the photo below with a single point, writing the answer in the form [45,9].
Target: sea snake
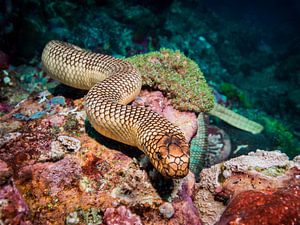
[112,84]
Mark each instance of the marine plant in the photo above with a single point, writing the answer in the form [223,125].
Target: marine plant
[233,92]
[281,135]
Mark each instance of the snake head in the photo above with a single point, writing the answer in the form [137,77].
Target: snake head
[171,156]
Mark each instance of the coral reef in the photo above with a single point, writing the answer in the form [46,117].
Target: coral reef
[71,179]
[183,83]
[13,208]
[281,134]
[5,172]
[55,169]
[248,65]
[65,176]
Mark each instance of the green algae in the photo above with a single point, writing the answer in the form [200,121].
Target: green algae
[179,77]
[273,171]
[91,216]
[71,125]
[233,92]
[281,135]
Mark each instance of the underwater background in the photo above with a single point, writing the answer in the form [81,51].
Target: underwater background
[248,52]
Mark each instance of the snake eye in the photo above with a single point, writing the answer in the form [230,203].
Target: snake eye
[158,156]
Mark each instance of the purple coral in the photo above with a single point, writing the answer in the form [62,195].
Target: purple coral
[13,208]
[121,216]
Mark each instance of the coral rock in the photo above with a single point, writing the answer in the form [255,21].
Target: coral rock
[185,210]
[167,210]
[5,172]
[174,73]
[262,171]
[72,144]
[55,177]
[13,208]
[219,145]
[156,101]
[280,207]
[121,216]
[185,213]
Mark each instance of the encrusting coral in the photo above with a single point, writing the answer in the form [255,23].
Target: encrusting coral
[178,77]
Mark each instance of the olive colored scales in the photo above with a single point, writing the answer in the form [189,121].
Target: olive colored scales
[112,83]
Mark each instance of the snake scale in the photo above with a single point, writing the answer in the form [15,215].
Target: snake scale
[112,84]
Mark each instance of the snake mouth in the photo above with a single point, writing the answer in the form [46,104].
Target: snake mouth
[173,157]
[176,167]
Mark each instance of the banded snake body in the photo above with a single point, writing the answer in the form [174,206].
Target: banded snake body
[112,84]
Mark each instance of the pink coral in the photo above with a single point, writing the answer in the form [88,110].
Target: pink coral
[121,216]
[56,176]
[185,210]
[155,100]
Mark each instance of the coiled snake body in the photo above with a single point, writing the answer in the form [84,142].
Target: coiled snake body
[113,83]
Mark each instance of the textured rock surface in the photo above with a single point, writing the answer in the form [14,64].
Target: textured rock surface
[121,216]
[262,173]
[65,176]
[267,207]
[13,208]
[185,210]
[5,172]
[68,173]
